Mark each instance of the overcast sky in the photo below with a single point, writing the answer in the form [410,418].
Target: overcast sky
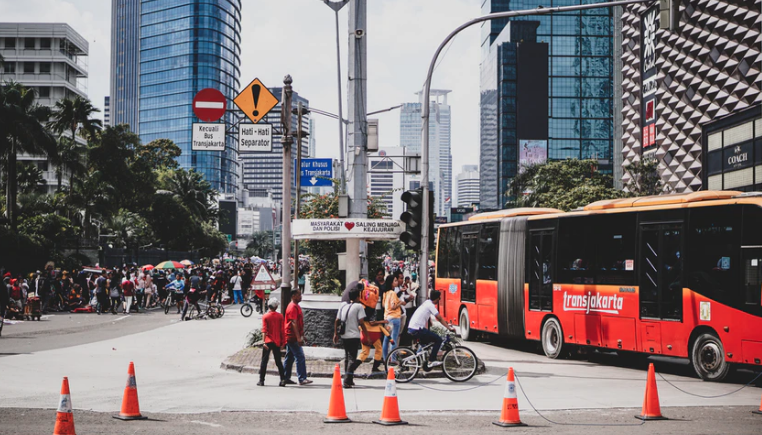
[298,37]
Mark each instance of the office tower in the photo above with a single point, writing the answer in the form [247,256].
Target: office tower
[180,47]
[50,58]
[386,179]
[262,172]
[580,91]
[468,186]
[106,111]
[692,96]
[440,159]
[514,108]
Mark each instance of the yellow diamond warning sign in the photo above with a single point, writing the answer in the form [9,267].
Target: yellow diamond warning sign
[256,101]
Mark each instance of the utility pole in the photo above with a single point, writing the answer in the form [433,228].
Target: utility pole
[357,266]
[285,239]
[298,176]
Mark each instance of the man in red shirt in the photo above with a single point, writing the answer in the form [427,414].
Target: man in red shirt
[272,330]
[129,293]
[294,340]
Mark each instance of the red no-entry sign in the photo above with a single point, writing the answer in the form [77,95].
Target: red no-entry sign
[209,105]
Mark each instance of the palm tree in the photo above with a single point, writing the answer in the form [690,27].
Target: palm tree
[21,130]
[192,190]
[73,116]
[69,156]
[93,198]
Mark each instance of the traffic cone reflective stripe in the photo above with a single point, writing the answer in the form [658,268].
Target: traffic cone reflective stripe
[337,412]
[390,413]
[760,408]
[509,415]
[130,406]
[651,408]
[64,416]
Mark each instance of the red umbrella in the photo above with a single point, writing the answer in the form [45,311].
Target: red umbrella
[147,267]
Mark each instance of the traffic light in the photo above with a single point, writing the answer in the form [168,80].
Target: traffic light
[669,17]
[413,218]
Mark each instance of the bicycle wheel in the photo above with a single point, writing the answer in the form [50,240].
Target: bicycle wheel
[404,362]
[220,310]
[246,309]
[167,304]
[459,364]
[193,313]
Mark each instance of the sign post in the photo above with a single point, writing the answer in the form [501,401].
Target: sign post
[316,172]
[256,101]
[209,105]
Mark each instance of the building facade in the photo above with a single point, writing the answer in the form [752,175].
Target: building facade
[179,48]
[580,85]
[107,111]
[262,172]
[125,62]
[386,179]
[467,186]
[691,95]
[51,59]
[440,157]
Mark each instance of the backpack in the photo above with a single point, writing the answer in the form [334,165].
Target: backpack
[369,295]
[343,322]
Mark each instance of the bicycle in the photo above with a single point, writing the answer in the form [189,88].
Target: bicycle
[459,363]
[248,308]
[212,310]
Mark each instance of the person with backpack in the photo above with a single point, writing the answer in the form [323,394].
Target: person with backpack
[347,326]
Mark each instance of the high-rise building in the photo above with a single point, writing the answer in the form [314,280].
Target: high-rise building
[107,111]
[692,95]
[262,172]
[580,90]
[440,158]
[180,47]
[467,186]
[125,62]
[386,179]
[50,58]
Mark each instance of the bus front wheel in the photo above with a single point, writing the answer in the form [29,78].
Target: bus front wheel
[708,358]
[465,326]
[552,338]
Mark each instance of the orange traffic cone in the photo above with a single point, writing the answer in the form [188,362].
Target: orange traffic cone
[337,413]
[64,417]
[509,416]
[651,408]
[130,407]
[390,413]
[760,409]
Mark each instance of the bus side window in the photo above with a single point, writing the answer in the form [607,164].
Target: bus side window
[443,254]
[488,251]
[454,257]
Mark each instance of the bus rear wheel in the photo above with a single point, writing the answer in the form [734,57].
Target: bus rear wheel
[465,326]
[552,338]
[708,358]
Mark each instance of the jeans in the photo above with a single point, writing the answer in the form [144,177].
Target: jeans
[266,349]
[115,301]
[351,346]
[395,336]
[238,295]
[294,351]
[425,337]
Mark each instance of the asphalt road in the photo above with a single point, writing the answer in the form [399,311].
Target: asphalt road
[582,422]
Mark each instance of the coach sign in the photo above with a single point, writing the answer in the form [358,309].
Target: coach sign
[341,229]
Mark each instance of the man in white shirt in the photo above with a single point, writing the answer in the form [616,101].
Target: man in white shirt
[352,314]
[419,326]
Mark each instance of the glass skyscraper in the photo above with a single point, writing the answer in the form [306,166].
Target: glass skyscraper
[125,62]
[580,69]
[184,46]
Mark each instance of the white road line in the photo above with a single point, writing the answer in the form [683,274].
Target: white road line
[206,423]
[119,318]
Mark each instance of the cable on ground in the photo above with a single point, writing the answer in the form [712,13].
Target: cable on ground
[709,397]
[463,389]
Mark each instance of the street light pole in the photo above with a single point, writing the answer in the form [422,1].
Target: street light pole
[424,263]
[285,240]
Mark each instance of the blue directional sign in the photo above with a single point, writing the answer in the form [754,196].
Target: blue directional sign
[316,172]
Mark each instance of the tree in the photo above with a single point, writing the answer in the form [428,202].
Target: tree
[74,116]
[192,190]
[21,130]
[645,177]
[158,154]
[261,245]
[69,156]
[565,185]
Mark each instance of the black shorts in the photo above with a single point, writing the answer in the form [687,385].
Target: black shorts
[177,297]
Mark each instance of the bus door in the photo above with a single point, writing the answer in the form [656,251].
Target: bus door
[541,270]
[752,278]
[660,279]
[469,244]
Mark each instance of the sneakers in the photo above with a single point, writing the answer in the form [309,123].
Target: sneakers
[288,382]
[282,383]
[305,382]
[261,384]
[433,364]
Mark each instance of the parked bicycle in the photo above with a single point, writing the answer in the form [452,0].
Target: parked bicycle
[212,310]
[247,309]
[459,363]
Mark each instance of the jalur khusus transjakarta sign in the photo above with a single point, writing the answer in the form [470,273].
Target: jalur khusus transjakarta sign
[342,229]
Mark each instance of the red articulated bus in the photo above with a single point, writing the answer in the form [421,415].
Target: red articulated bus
[672,275]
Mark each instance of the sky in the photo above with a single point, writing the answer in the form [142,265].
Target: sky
[298,37]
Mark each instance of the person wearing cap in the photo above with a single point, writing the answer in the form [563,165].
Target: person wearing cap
[272,331]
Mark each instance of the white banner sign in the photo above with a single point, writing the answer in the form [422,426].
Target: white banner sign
[255,138]
[341,229]
[208,137]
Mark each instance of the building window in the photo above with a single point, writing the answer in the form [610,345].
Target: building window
[45,43]
[43,92]
[28,67]
[9,68]
[44,67]
[29,43]
[10,43]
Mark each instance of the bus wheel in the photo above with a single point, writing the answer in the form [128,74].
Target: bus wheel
[465,326]
[552,338]
[708,358]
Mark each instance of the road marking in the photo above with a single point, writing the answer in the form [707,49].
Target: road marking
[119,318]
[206,423]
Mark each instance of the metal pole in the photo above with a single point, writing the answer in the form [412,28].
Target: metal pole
[341,115]
[358,133]
[285,118]
[299,112]
[424,264]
